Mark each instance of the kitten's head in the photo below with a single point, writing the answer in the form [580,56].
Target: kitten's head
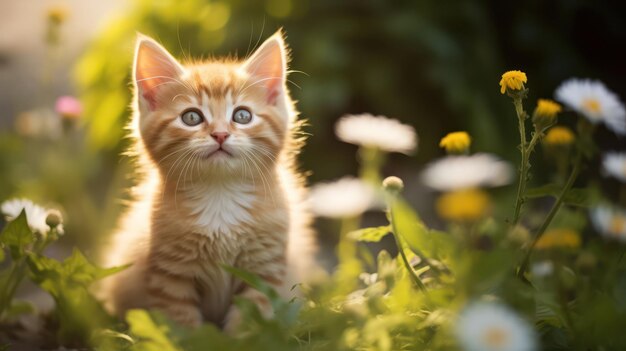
[218,117]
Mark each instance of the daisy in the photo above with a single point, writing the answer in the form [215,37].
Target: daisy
[377,131]
[35,214]
[347,197]
[461,172]
[609,221]
[614,164]
[542,269]
[594,101]
[486,326]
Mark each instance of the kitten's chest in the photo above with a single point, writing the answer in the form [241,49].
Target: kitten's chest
[219,209]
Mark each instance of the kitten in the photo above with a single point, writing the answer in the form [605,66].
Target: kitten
[217,142]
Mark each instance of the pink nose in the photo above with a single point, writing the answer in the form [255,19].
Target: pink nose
[220,137]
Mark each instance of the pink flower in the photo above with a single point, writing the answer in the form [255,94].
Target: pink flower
[68,107]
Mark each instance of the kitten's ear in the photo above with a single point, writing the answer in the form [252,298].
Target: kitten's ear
[269,66]
[153,67]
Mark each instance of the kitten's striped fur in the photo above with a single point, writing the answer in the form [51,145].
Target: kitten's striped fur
[195,210]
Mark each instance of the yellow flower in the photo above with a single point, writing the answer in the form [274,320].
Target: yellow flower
[565,238]
[559,136]
[57,14]
[456,143]
[512,80]
[545,114]
[547,108]
[463,205]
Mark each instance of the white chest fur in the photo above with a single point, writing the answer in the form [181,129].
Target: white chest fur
[220,207]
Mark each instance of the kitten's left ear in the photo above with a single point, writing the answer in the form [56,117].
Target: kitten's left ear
[269,65]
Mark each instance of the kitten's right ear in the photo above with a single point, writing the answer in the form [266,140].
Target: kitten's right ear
[153,68]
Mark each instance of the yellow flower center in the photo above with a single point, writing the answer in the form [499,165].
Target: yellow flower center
[565,238]
[559,136]
[512,80]
[592,106]
[496,337]
[457,142]
[463,205]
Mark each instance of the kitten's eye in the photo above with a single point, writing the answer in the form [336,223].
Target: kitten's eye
[242,115]
[192,117]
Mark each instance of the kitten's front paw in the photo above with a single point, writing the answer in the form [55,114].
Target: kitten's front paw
[233,320]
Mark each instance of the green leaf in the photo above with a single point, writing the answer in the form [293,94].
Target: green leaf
[544,190]
[370,234]
[150,335]
[253,281]
[17,235]
[576,197]
[18,308]
[430,243]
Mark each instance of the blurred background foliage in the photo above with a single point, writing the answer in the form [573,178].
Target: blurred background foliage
[434,65]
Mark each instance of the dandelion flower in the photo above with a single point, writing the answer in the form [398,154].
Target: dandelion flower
[614,164]
[458,172]
[594,101]
[493,327]
[545,113]
[512,80]
[609,221]
[559,136]
[554,238]
[347,197]
[377,131]
[68,107]
[35,214]
[456,142]
[463,205]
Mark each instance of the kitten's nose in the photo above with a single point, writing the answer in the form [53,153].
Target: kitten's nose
[220,137]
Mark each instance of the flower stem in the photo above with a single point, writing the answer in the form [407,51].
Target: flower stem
[553,211]
[523,170]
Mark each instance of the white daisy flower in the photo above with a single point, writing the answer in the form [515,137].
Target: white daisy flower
[594,101]
[460,172]
[542,269]
[347,197]
[377,131]
[493,327]
[35,214]
[609,221]
[614,164]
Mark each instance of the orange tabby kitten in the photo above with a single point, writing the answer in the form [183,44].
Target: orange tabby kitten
[216,143]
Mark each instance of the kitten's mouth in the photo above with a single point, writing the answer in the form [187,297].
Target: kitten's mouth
[218,152]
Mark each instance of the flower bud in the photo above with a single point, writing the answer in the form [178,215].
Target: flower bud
[54,218]
[456,143]
[559,136]
[513,81]
[393,184]
[545,114]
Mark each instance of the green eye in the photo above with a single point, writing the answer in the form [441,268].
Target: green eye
[192,117]
[242,115]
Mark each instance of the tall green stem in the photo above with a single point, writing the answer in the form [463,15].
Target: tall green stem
[553,211]
[394,231]
[523,170]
